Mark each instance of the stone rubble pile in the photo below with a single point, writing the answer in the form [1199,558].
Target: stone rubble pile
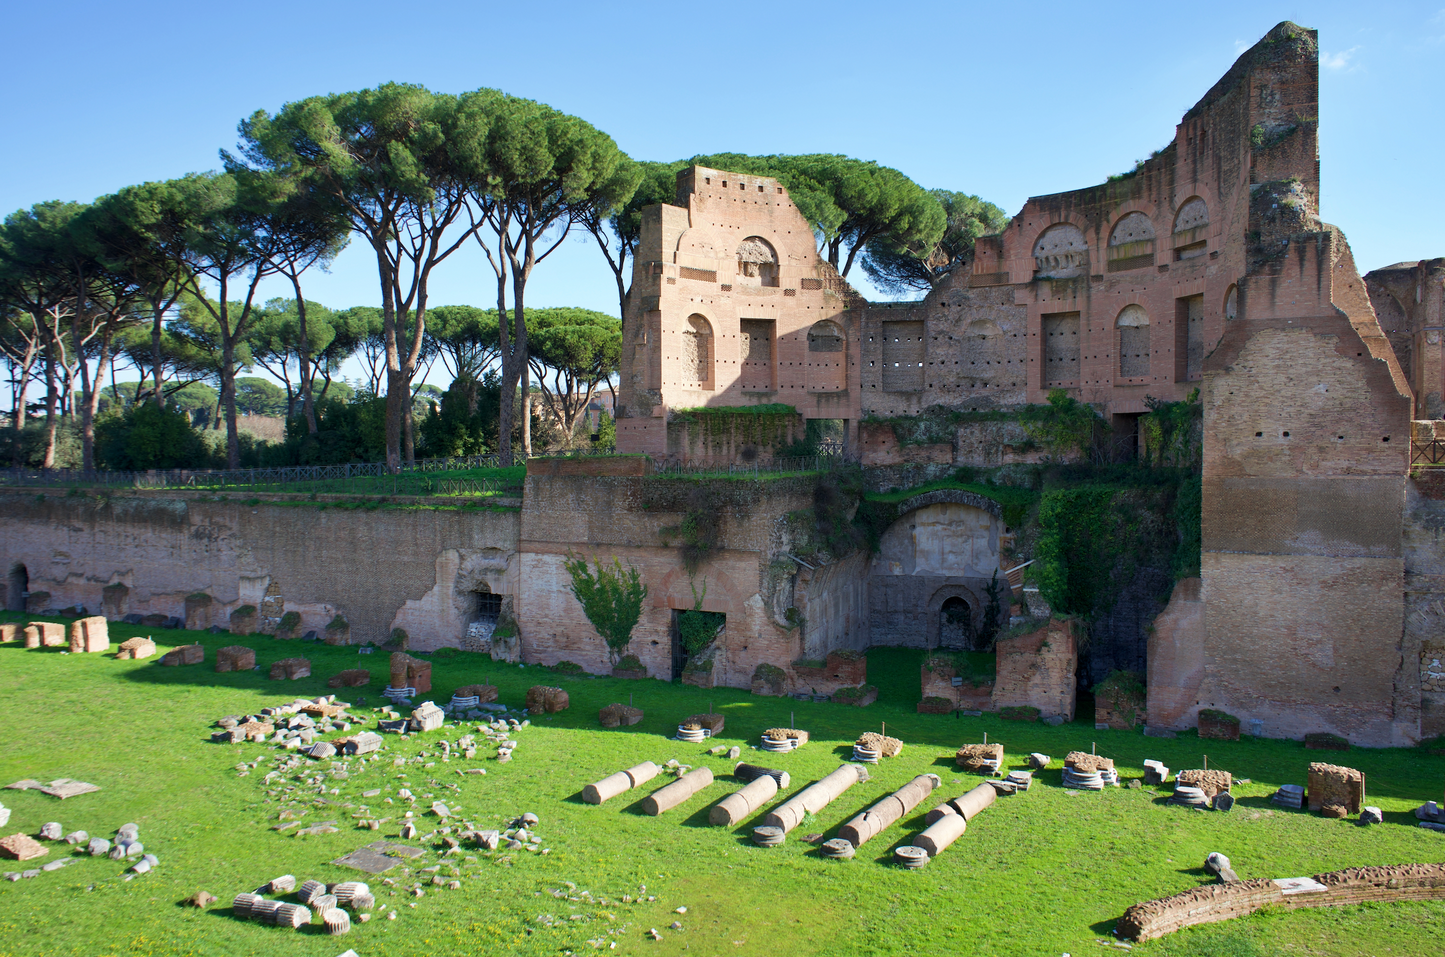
[980,758]
[1155,773]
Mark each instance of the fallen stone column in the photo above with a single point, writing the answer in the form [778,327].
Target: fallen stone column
[974,801]
[750,772]
[872,822]
[677,792]
[814,798]
[941,833]
[615,784]
[738,805]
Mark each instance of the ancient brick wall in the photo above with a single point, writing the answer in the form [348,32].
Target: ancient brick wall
[1409,299]
[379,570]
[1039,670]
[606,517]
[1424,639]
[732,305]
[1175,658]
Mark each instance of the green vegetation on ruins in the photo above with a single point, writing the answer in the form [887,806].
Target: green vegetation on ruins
[1046,872]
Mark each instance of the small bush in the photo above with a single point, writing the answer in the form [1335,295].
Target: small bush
[629,663]
[850,695]
[565,667]
[769,672]
[337,624]
[1223,717]
[1022,712]
[698,629]
[290,620]
[243,611]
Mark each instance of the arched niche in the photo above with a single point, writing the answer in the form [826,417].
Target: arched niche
[942,539]
[1131,243]
[17,587]
[1133,330]
[827,357]
[757,262]
[1193,214]
[1231,303]
[1190,229]
[1061,252]
[697,352]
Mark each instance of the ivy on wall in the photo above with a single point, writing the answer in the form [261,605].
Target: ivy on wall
[737,425]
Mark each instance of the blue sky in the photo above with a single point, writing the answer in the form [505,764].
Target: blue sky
[1002,100]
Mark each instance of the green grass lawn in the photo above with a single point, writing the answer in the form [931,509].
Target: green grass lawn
[1046,872]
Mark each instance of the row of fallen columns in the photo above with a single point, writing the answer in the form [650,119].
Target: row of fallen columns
[946,823]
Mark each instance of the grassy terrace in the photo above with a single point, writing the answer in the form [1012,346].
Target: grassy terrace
[1045,872]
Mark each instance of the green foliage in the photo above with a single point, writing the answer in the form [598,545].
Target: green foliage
[400,639]
[1188,519]
[1020,712]
[565,667]
[900,269]
[290,620]
[1125,694]
[243,612]
[1052,830]
[848,202]
[978,668]
[767,672]
[697,629]
[150,437]
[611,598]
[255,396]
[629,663]
[606,432]
[1091,540]
[993,611]
[466,422]
[757,425]
[852,695]
[1173,432]
[337,624]
[698,534]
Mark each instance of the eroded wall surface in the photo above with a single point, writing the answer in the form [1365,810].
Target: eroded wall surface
[416,569]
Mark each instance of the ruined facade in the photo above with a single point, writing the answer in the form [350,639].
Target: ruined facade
[1321,600]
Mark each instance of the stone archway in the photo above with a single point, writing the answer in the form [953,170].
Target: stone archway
[955,624]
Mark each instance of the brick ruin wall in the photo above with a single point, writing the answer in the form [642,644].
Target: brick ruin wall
[146,553]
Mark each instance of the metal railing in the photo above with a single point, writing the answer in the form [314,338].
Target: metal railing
[345,477]
[1428,455]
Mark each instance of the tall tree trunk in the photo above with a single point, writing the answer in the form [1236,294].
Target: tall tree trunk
[51,420]
[303,355]
[157,358]
[18,415]
[90,400]
[394,379]
[228,401]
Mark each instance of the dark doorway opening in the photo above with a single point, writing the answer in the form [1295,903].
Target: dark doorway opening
[17,588]
[488,605]
[955,625]
[679,656]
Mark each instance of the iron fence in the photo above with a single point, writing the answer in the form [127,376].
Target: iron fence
[1429,454]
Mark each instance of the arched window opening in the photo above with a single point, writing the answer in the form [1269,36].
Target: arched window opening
[1133,326]
[1131,244]
[1231,304]
[955,625]
[757,262]
[697,352]
[1190,228]
[1061,253]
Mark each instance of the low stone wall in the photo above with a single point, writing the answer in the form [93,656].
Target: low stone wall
[1216,902]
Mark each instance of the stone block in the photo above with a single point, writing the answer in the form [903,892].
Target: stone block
[9,631]
[51,634]
[245,621]
[769,680]
[32,636]
[184,655]
[350,678]
[198,611]
[290,669]
[21,847]
[483,693]
[544,699]
[427,717]
[339,633]
[235,658]
[1331,785]
[89,635]
[409,672]
[136,648]
[1217,725]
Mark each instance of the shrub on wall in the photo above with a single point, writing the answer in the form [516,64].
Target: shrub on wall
[611,598]
[697,629]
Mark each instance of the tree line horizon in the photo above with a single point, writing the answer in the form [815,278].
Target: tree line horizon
[164,275]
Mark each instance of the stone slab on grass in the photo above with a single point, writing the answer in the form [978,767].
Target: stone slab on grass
[378,857]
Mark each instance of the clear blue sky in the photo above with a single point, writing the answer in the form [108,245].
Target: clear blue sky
[1002,100]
